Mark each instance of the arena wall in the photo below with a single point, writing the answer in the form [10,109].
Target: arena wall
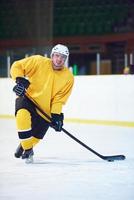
[95,99]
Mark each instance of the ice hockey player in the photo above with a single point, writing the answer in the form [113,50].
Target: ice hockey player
[48,82]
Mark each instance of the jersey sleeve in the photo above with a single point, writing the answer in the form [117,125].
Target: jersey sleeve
[61,98]
[24,67]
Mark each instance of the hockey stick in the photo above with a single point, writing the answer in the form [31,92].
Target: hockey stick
[107,158]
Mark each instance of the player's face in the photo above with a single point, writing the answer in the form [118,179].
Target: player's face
[58,61]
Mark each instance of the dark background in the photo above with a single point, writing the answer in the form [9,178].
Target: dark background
[87,27]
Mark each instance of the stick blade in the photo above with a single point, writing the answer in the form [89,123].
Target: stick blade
[115,157]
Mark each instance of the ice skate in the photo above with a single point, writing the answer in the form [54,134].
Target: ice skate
[28,155]
[19,151]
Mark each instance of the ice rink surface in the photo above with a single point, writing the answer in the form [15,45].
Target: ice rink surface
[64,170]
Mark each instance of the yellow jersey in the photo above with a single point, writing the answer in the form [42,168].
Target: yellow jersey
[48,87]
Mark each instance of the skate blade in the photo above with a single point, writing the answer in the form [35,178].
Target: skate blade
[29,160]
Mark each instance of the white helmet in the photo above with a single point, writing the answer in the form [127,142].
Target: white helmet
[59,48]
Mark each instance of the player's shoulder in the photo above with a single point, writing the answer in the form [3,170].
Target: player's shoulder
[40,57]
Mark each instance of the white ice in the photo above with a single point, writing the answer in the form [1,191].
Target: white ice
[64,170]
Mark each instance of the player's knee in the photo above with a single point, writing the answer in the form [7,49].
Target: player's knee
[23,119]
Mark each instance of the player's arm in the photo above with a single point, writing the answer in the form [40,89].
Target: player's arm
[24,67]
[57,103]
[61,97]
[20,71]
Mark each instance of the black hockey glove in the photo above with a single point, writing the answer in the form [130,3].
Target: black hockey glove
[21,85]
[57,121]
